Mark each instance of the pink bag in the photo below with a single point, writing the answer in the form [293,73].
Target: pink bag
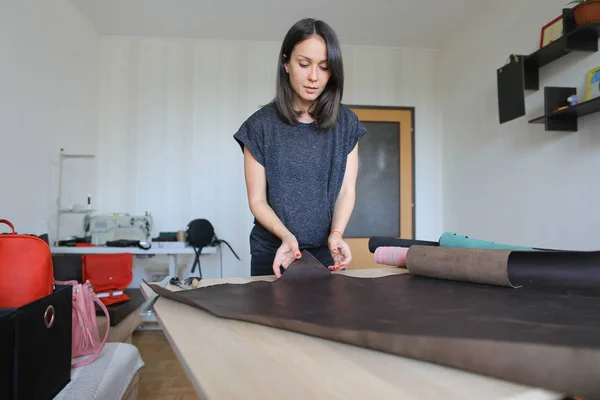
[86,339]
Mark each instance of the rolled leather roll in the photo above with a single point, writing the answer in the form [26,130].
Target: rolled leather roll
[380,241]
[391,255]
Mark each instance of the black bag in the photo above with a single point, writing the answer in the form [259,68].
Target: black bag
[35,347]
[200,234]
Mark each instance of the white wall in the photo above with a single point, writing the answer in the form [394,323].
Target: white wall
[48,82]
[515,183]
[169,109]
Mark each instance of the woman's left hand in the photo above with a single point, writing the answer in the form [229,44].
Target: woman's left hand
[340,252]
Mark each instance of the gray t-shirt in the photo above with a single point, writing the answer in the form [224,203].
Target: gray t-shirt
[304,167]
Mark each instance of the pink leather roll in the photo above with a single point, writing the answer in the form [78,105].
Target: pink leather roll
[389,255]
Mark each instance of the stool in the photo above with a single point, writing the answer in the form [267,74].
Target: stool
[112,376]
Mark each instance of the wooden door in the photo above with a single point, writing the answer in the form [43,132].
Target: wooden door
[385,186]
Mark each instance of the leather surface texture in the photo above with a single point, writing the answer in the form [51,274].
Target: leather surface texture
[543,338]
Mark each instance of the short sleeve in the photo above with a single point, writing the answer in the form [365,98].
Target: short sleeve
[251,135]
[356,131]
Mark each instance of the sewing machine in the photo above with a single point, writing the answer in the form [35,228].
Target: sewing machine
[117,226]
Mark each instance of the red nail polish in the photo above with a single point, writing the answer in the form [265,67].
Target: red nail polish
[297,255]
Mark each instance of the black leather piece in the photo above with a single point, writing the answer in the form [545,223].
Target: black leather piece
[533,337]
[67,267]
[562,271]
[381,241]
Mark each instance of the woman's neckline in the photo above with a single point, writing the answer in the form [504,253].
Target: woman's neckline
[306,124]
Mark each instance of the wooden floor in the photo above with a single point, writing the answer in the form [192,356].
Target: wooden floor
[162,376]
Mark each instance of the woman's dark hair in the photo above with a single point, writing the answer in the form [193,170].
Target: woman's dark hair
[327,106]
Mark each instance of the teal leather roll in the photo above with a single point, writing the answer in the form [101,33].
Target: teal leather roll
[451,239]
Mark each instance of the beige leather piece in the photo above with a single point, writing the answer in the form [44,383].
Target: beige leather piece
[458,264]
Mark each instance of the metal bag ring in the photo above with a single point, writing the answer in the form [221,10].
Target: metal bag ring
[49,316]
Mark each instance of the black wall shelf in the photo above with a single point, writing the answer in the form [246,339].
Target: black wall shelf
[584,39]
[566,118]
[522,72]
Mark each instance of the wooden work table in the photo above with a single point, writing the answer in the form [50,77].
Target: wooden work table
[227,359]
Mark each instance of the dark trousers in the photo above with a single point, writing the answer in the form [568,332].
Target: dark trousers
[262,264]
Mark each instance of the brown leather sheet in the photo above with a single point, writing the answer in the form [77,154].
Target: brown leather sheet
[547,339]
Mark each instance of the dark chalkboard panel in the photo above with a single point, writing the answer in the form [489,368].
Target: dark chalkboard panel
[511,84]
[377,208]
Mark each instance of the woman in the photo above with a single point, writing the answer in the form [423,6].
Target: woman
[301,156]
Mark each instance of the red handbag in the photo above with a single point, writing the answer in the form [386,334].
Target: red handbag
[26,270]
[109,275]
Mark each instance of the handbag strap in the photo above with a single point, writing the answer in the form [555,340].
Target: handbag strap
[72,283]
[96,353]
[7,222]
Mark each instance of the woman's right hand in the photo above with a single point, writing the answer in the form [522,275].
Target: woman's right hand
[286,254]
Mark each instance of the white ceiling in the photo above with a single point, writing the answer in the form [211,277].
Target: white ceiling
[404,23]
